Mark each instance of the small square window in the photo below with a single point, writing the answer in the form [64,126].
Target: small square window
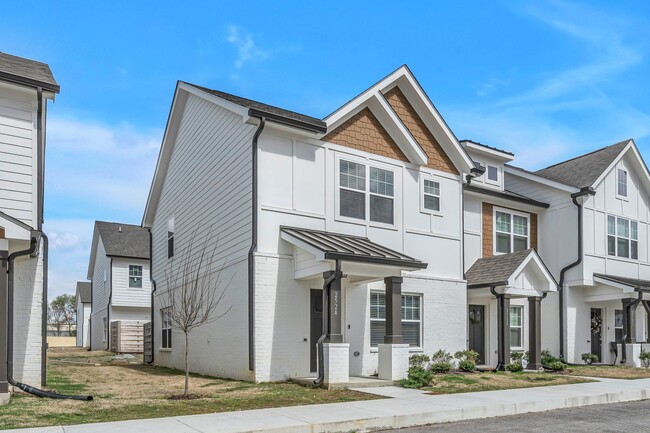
[431,195]
[492,173]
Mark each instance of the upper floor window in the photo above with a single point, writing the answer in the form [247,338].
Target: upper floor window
[511,232]
[135,276]
[372,200]
[492,174]
[621,183]
[622,237]
[431,199]
[170,238]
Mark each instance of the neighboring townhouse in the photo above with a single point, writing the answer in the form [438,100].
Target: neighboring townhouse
[120,282]
[512,299]
[83,304]
[595,242]
[25,88]
[363,206]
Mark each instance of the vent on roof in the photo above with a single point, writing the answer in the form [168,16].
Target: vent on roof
[119,229]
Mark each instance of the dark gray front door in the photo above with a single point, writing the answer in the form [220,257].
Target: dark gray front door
[316,325]
[477,331]
[596,332]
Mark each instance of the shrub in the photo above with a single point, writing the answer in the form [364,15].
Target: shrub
[467,355]
[441,356]
[514,367]
[557,366]
[419,360]
[441,367]
[467,365]
[516,357]
[589,358]
[644,357]
[417,377]
[547,358]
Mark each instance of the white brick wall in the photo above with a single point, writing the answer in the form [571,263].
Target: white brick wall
[28,303]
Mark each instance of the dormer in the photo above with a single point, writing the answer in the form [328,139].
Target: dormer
[492,160]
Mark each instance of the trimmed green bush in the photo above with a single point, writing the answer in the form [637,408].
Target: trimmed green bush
[557,366]
[644,357]
[419,360]
[441,356]
[514,367]
[418,377]
[467,365]
[547,358]
[441,367]
[589,358]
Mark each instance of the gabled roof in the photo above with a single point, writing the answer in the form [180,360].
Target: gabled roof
[584,170]
[27,72]
[83,292]
[124,240]
[338,246]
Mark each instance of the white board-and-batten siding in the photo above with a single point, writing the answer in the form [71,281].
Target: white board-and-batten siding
[207,191]
[18,154]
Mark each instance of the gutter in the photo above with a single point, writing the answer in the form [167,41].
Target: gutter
[253,248]
[108,308]
[46,254]
[40,149]
[155,287]
[584,192]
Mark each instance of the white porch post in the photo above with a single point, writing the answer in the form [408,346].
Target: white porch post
[393,354]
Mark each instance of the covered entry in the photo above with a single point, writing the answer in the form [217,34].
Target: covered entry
[344,259]
[506,280]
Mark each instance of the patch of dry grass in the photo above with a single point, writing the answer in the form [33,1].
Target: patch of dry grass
[493,381]
[610,371]
[125,389]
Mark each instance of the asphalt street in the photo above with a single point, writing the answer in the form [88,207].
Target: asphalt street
[633,417]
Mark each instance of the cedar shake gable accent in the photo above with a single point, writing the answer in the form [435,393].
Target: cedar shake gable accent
[364,132]
[437,158]
[488,228]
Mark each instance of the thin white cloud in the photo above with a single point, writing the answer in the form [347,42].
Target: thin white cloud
[247,50]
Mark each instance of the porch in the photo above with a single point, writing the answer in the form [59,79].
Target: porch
[347,262]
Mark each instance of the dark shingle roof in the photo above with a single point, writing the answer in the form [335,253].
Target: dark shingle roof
[583,170]
[495,270]
[83,291]
[487,147]
[632,282]
[337,246]
[27,71]
[271,110]
[124,240]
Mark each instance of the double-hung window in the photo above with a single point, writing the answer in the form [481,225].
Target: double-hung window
[511,232]
[431,199]
[135,276]
[618,326]
[166,325]
[516,326]
[411,319]
[621,183]
[366,192]
[170,238]
[622,237]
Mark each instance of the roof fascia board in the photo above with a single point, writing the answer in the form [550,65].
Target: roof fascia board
[533,257]
[507,203]
[286,129]
[15,229]
[606,281]
[171,131]
[515,171]
[491,152]
[93,254]
[498,194]
[4,76]
[318,254]
[613,164]
[231,106]
[642,166]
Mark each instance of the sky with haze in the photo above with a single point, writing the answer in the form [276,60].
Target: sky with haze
[547,80]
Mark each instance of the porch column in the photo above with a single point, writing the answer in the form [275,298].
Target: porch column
[629,320]
[4,386]
[503,329]
[534,332]
[393,310]
[334,323]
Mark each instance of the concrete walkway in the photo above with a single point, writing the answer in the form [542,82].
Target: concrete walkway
[404,408]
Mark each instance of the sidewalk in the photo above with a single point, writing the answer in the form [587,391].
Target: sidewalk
[404,408]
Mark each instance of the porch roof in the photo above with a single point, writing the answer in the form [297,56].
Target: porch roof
[632,283]
[503,270]
[338,246]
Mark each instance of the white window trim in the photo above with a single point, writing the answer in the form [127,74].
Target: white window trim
[171,234]
[617,327]
[141,276]
[105,334]
[627,184]
[490,181]
[616,236]
[367,163]
[512,238]
[521,327]
[417,348]
[162,328]
[422,194]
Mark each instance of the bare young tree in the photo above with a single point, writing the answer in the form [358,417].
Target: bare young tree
[195,292]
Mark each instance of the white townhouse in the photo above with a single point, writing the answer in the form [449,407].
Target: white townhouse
[120,282]
[353,222]
[596,244]
[83,302]
[25,88]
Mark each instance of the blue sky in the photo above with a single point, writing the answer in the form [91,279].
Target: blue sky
[547,80]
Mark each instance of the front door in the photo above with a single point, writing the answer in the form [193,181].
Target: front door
[596,332]
[316,325]
[477,331]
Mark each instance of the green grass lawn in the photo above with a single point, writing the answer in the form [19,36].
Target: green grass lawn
[126,389]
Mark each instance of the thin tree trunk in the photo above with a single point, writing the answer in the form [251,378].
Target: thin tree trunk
[187,365]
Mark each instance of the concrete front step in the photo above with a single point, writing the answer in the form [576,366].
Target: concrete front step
[353,382]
